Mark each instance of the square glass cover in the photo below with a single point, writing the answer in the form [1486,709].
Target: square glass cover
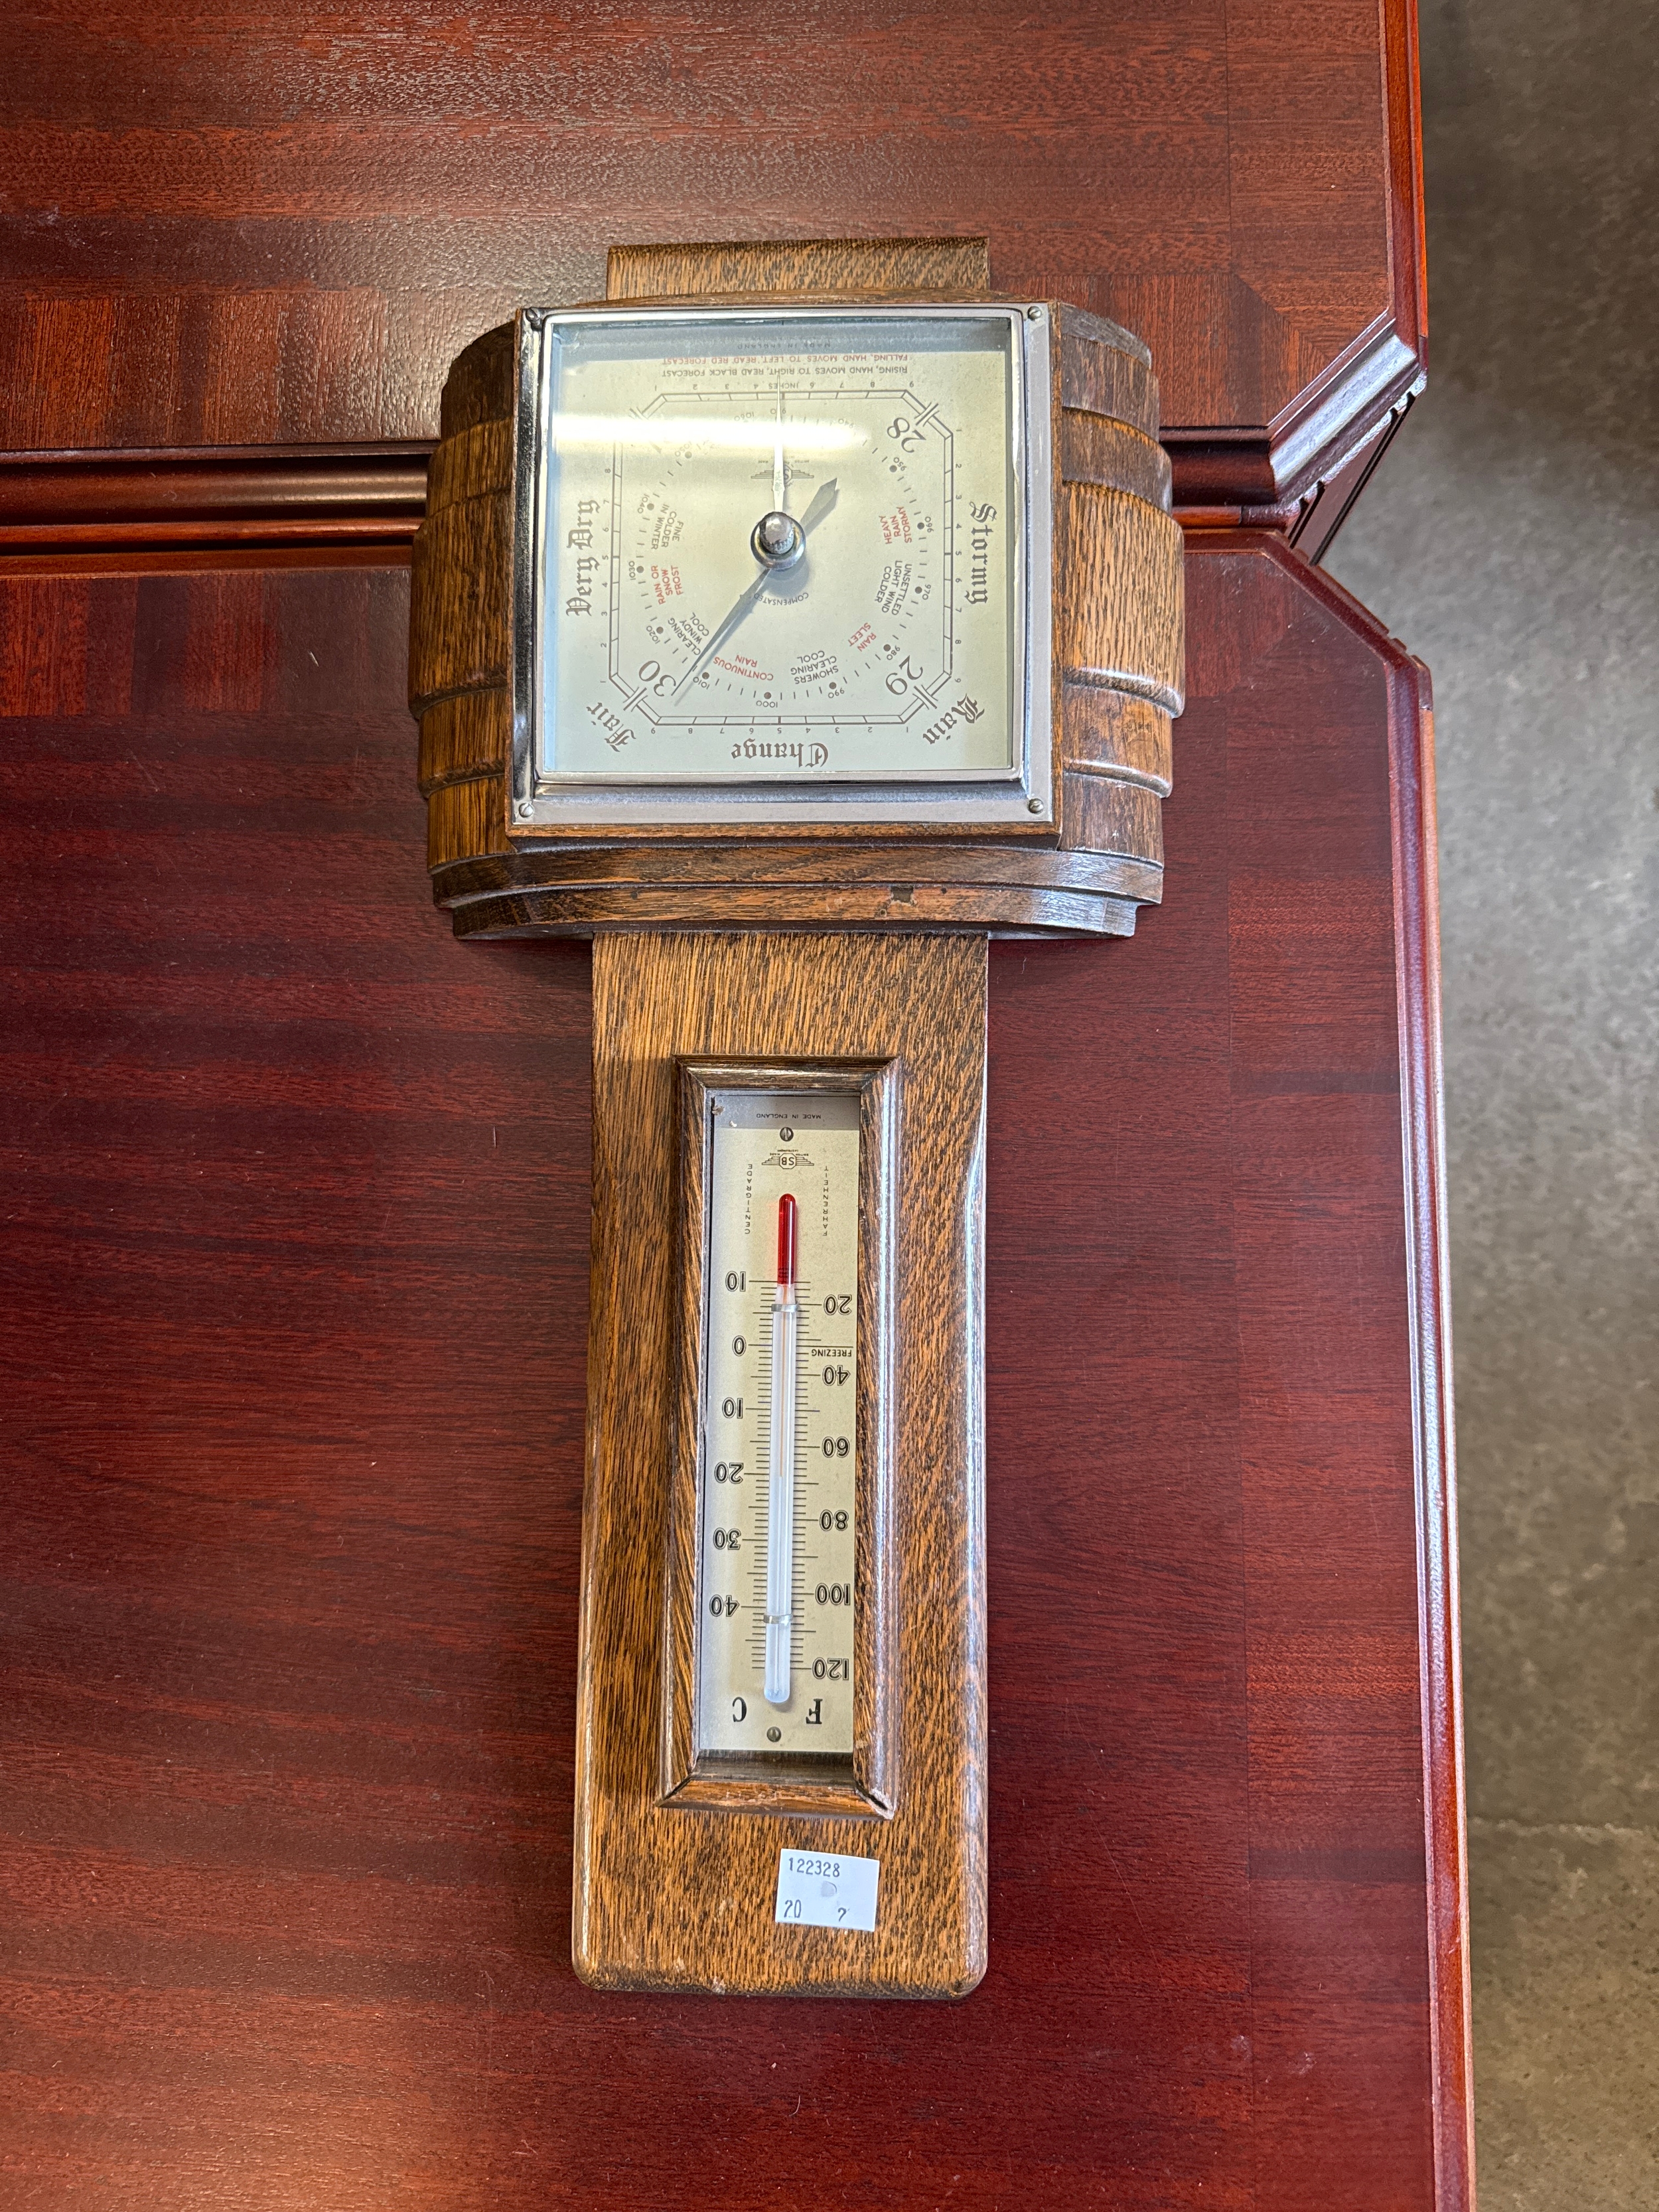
[781,549]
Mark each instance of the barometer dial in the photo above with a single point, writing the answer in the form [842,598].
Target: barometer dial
[782,550]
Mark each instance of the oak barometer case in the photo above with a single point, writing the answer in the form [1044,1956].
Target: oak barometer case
[789,623]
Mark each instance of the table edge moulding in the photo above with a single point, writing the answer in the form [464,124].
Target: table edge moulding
[1298,471]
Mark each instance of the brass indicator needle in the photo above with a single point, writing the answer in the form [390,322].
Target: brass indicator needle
[777,543]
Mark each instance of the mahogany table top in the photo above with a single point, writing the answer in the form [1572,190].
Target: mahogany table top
[296,1195]
[296,1270]
[233,227]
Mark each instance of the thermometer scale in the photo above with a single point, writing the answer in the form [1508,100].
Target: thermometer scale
[778,1462]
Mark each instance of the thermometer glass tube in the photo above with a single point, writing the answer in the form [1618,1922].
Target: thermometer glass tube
[781,1463]
[779,1475]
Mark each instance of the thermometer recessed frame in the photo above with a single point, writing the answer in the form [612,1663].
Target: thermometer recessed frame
[702,1766]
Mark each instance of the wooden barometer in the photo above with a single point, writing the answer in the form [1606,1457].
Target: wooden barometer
[790,622]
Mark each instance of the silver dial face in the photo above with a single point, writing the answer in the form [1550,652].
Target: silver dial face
[779,1461]
[783,549]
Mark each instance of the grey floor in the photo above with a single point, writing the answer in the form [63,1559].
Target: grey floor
[1511,537]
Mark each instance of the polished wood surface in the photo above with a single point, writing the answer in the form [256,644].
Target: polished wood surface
[226,228]
[252,497]
[296,1267]
[673,1896]
[836,265]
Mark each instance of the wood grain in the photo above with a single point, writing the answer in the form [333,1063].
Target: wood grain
[1112,816]
[467,815]
[296,1272]
[1096,451]
[1098,377]
[1113,732]
[800,860]
[251,496]
[220,234]
[594,908]
[825,265]
[1119,606]
[478,386]
[672,1896]
[464,738]
[460,636]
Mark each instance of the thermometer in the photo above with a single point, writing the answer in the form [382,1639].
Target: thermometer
[779,1463]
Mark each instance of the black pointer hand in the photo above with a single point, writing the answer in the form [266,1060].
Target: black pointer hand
[823,499]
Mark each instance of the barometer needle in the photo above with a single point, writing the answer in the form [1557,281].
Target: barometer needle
[780,480]
[823,499]
[781,1477]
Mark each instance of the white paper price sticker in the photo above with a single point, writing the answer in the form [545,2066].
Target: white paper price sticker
[820,1890]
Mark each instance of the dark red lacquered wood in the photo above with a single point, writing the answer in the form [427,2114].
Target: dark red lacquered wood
[253,496]
[295,1283]
[220,229]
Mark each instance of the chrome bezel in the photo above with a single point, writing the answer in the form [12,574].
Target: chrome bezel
[542,800]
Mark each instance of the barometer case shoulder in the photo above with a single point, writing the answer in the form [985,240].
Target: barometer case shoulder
[1060,834]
